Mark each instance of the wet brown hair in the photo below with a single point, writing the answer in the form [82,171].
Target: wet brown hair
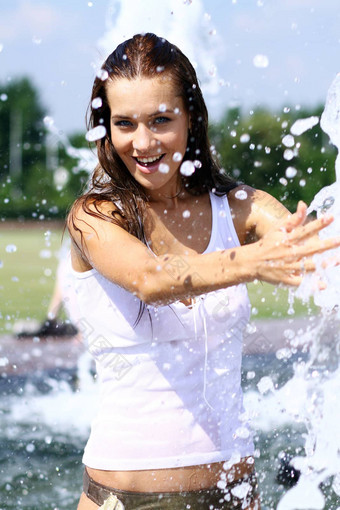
[149,56]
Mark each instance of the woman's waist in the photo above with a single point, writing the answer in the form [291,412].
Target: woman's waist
[188,478]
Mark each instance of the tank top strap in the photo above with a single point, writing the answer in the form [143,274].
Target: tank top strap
[223,225]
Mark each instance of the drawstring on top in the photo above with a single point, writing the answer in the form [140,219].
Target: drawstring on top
[205,347]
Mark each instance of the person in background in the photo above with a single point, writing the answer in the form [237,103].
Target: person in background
[62,301]
[162,246]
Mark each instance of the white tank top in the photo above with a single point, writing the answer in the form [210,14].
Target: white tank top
[170,386]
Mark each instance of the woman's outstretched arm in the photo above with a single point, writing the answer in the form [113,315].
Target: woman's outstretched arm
[279,256]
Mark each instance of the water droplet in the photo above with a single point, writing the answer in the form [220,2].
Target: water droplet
[327,203]
[102,74]
[186,214]
[187,168]
[97,102]
[283,181]
[242,432]
[30,447]
[302,125]
[176,110]
[288,154]
[11,248]
[233,133]
[288,141]
[290,172]
[36,40]
[1,264]
[45,254]
[197,163]
[3,97]
[261,61]
[241,194]
[177,157]
[96,133]
[48,121]
[244,138]
[164,168]
[265,384]
[159,69]
[162,107]
[302,182]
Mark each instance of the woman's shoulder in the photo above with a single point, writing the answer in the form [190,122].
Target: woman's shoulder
[254,212]
[90,210]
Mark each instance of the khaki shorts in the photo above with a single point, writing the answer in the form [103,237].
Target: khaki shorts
[238,495]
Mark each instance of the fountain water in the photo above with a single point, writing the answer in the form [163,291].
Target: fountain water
[183,22]
[310,397]
[318,385]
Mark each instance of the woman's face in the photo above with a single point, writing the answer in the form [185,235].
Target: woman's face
[149,129]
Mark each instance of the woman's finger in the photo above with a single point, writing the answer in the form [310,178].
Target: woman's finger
[312,228]
[298,251]
[330,262]
[296,219]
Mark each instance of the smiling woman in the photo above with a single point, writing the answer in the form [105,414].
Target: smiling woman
[149,128]
[162,245]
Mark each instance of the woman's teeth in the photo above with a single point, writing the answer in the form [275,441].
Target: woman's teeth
[146,161]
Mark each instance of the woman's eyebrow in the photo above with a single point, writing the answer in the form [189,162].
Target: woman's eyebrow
[117,116]
[153,114]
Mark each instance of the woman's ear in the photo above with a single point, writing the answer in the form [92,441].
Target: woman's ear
[189,126]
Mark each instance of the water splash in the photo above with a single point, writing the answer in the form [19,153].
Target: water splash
[325,200]
[311,396]
[86,158]
[185,24]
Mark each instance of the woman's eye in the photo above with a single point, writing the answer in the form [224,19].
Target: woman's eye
[123,123]
[161,120]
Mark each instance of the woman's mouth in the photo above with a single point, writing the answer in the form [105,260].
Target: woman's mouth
[149,164]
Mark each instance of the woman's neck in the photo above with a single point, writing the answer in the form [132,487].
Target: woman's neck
[168,196]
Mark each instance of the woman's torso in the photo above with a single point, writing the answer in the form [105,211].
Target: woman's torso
[177,234]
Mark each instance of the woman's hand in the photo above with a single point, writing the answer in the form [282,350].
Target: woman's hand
[284,255]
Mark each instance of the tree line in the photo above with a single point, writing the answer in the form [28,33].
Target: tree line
[40,180]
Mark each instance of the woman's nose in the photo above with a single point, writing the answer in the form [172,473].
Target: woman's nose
[143,138]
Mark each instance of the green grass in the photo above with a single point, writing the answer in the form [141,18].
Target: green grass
[269,301]
[27,278]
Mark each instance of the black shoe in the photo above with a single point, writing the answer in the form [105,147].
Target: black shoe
[287,475]
[51,327]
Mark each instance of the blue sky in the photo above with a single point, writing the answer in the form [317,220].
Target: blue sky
[248,52]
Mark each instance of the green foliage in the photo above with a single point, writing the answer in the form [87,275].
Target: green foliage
[29,185]
[251,149]
[21,123]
